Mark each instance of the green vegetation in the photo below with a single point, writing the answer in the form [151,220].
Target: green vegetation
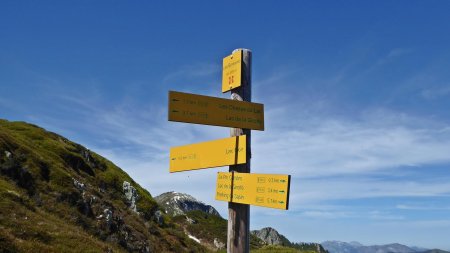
[205,226]
[278,249]
[209,227]
[57,196]
[274,249]
[308,247]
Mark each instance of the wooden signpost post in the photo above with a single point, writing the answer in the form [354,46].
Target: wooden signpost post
[238,235]
[238,187]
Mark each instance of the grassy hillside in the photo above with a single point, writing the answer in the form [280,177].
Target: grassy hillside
[209,228]
[57,196]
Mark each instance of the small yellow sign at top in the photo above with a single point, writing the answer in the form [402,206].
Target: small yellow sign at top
[232,71]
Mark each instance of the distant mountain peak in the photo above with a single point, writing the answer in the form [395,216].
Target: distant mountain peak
[271,236]
[176,203]
[355,244]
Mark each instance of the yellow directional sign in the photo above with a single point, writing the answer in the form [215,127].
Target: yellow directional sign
[198,109]
[231,71]
[222,152]
[268,190]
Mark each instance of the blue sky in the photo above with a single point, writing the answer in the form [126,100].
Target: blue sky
[356,98]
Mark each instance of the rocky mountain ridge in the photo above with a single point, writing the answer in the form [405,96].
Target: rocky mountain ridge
[175,203]
[271,236]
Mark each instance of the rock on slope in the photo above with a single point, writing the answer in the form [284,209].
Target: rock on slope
[175,203]
[271,236]
[199,220]
[57,196]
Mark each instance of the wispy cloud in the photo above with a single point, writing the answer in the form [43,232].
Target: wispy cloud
[198,70]
[437,92]
[422,207]
[324,147]
[383,215]
[317,214]
[386,59]
[422,224]
[310,191]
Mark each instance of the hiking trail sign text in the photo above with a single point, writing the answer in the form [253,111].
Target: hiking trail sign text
[222,152]
[231,71]
[268,190]
[198,109]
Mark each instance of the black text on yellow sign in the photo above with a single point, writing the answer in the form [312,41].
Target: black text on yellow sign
[198,109]
[232,71]
[222,152]
[267,190]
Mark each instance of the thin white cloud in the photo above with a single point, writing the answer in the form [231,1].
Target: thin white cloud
[193,71]
[383,215]
[422,207]
[309,191]
[384,60]
[421,224]
[343,146]
[437,92]
[316,214]
[396,52]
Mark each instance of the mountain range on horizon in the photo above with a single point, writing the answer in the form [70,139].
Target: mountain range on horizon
[55,193]
[356,247]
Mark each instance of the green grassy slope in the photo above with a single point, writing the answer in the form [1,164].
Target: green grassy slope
[57,196]
[209,227]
